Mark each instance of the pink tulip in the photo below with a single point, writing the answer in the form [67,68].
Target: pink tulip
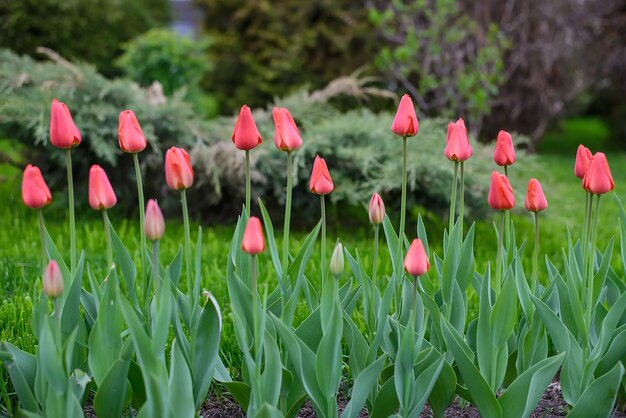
[178,170]
[52,280]
[155,224]
[246,136]
[101,194]
[35,192]
[583,159]
[129,133]
[504,152]
[416,261]
[286,134]
[253,240]
[63,131]
[405,122]
[458,147]
[535,199]
[377,209]
[501,195]
[320,182]
[598,178]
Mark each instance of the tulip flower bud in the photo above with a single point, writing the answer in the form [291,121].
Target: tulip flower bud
[63,131]
[504,152]
[320,182]
[154,225]
[598,178]
[535,199]
[52,280]
[178,170]
[253,240]
[35,192]
[246,135]
[336,260]
[405,122]
[501,195]
[458,148]
[101,194]
[416,261]
[583,159]
[129,133]
[377,209]
[286,134]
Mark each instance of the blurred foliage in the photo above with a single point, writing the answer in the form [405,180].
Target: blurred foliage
[175,61]
[87,30]
[450,64]
[27,88]
[264,49]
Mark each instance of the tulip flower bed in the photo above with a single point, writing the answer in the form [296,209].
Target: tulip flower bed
[391,334]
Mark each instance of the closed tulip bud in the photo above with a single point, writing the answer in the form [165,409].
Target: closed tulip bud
[501,195]
[320,182]
[253,240]
[405,122]
[35,192]
[178,170]
[129,133]
[458,147]
[583,159]
[598,178]
[246,136]
[101,194]
[336,260]
[286,134]
[52,280]
[154,225]
[535,199]
[377,209]
[504,152]
[416,261]
[63,131]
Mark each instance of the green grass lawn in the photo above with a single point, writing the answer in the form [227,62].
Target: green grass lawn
[20,254]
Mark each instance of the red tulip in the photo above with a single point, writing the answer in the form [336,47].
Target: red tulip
[35,192]
[154,225]
[416,261]
[52,280]
[178,171]
[129,133]
[101,194]
[500,192]
[63,131]
[598,178]
[405,123]
[458,147]
[504,153]
[246,136]
[583,159]
[286,134]
[253,240]
[535,199]
[320,182]
[377,209]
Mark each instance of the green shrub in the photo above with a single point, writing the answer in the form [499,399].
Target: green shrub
[89,30]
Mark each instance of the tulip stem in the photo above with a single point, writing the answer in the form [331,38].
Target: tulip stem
[70,191]
[399,270]
[534,277]
[142,213]
[498,281]
[287,219]
[42,237]
[155,265]
[587,223]
[248,182]
[183,196]
[461,199]
[373,285]
[107,236]
[323,208]
[453,198]
[257,339]
[592,253]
